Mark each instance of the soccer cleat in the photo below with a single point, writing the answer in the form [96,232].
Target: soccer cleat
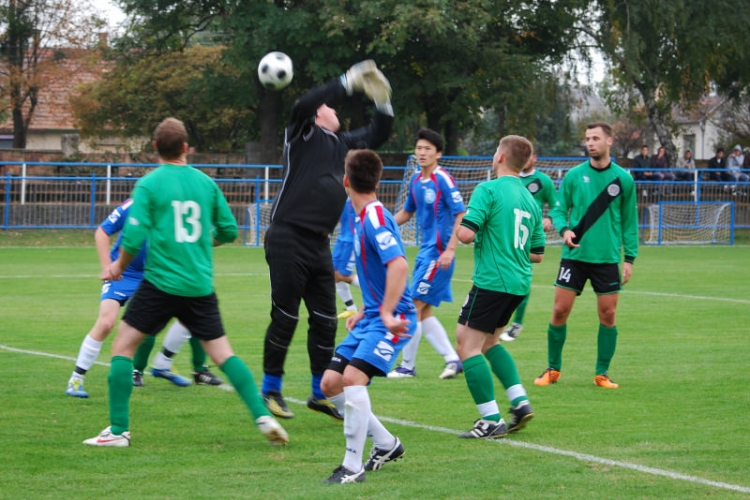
[75,388]
[520,416]
[343,475]
[276,405]
[550,376]
[452,368]
[346,314]
[401,372]
[138,378]
[205,377]
[511,333]
[273,431]
[324,406]
[486,429]
[173,377]
[379,457]
[106,438]
[605,381]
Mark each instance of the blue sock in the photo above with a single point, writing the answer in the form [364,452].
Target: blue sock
[271,383]
[316,387]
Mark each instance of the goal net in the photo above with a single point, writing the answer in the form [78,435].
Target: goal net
[468,171]
[686,223]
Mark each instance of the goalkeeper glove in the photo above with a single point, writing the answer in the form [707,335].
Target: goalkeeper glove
[366,77]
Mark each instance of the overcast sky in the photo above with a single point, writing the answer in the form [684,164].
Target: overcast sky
[110,10]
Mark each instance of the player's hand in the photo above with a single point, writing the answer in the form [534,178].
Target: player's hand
[366,77]
[627,271]
[568,238]
[446,259]
[547,223]
[351,321]
[115,271]
[353,79]
[395,325]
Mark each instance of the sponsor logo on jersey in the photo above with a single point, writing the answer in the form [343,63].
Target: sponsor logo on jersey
[133,221]
[586,179]
[429,196]
[457,197]
[613,190]
[385,240]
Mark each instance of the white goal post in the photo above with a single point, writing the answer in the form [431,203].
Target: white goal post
[689,223]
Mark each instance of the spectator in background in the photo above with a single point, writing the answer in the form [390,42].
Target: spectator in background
[746,163]
[734,165]
[688,167]
[660,166]
[718,165]
[642,162]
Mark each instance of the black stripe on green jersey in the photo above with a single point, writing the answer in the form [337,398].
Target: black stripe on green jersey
[597,209]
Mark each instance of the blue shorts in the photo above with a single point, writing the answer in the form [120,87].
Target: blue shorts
[430,284]
[371,342]
[343,257]
[121,290]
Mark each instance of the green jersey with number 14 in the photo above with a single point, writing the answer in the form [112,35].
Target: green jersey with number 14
[508,226]
[179,211]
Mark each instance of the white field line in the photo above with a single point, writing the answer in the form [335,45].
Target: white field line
[506,442]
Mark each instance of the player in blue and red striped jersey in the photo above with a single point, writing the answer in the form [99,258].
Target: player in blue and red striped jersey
[343,260]
[116,294]
[435,198]
[378,332]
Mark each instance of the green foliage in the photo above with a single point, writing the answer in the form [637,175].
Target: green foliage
[199,442]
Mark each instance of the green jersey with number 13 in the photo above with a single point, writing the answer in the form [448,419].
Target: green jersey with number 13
[179,211]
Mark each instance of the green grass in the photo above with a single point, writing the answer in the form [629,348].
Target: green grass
[681,409]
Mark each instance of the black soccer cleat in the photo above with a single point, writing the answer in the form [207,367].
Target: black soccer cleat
[205,377]
[486,429]
[343,475]
[520,416]
[379,457]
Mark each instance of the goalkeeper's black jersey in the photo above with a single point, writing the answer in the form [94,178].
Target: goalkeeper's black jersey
[312,195]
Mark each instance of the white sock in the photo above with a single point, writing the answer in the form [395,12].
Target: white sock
[355,281]
[345,293]
[338,401]
[515,392]
[380,436]
[488,408]
[438,337]
[176,337]
[88,353]
[357,410]
[162,362]
[409,359]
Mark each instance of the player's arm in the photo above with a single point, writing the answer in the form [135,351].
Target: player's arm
[101,240]
[224,228]
[629,219]
[306,108]
[135,231]
[475,215]
[395,284]
[446,258]
[402,216]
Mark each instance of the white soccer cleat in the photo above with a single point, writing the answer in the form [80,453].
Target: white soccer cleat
[273,431]
[511,333]
[106,438]
[452,368]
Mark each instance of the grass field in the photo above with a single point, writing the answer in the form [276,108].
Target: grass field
[676,428]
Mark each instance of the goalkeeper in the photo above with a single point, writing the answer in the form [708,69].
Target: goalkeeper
[305,213]
[597,216]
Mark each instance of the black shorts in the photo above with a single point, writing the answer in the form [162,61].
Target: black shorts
[486,311]
[150,310]
[605,278]
[339,363]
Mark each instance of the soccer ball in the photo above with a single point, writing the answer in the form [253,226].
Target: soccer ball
[275,70]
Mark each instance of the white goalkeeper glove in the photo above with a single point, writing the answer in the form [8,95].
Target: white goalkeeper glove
[366,77]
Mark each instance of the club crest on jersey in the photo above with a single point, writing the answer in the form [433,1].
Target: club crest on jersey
[384,350]
[385,240]
[429,196]
[613,190]
[586,179]
[533,188]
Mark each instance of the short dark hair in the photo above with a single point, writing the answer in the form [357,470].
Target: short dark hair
[433,137]
[606,127]
[517,151]
[170,135]
[363,168]
[720,150]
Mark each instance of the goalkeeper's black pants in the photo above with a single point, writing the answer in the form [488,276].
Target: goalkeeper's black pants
[301,269]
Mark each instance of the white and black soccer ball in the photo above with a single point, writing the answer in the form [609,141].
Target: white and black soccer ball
[275,70]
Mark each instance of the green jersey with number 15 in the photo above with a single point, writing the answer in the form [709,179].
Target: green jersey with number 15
[178,210]
[508,226]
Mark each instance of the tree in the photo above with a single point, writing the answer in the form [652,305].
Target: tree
[36,36]
[671,52]
[193,85]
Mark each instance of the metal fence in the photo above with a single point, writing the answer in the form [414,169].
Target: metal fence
[81,195]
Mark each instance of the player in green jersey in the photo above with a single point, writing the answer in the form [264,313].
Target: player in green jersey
[182,213]
[543,190]
[597,216]
[505,224]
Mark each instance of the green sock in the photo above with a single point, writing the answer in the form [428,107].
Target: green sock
[481,386]
[120,388]
[504,368]
[606,344]
[242,380]
[199,355]
[555,342]
[140,360]
[521,310]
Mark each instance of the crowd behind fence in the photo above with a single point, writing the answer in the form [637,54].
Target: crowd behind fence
[88,192]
